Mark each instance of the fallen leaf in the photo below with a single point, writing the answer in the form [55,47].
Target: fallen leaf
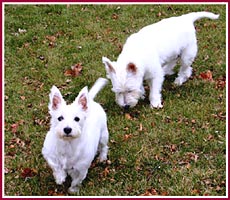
[193,156]
[173,148]
[106,172]
[164,193]
[128,116]
[77,69]
[115,16]
[68,72]
[150,192]
[188,166]
[55,193]
[127,136]
[210,137]
[153,124]
[193,121]
[74,71]
[6,170]
[14,127]
[140,127]
[22,98]
[51,38]
[52,44]
[220,116]
[6,98]
[206,75]
[221,83]
[28,172]
[26,45]
[195,192]
[159,14]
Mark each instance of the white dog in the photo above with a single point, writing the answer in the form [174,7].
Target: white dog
[152,53]
[77,132]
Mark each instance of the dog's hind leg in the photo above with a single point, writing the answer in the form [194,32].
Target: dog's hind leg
[168,67]
[187,57]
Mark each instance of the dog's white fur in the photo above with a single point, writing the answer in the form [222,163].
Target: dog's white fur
[77,132]
[152,53]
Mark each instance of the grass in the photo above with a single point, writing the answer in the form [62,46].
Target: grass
[179,150]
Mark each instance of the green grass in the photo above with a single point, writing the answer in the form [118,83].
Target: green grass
[179,150]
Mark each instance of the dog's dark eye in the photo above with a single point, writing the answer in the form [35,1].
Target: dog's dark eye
[129,91]
[60,118]
[77,119]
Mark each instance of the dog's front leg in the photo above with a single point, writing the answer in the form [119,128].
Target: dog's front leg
[60,176]
[77,177]
[58,171]
[142,92]
[155,85]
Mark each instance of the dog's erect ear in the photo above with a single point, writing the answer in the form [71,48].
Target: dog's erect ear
[83,98]
[55,98]
[131,68]
[108,65]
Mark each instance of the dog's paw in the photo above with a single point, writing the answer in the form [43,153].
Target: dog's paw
[143,96]
[180,80]
[156,105]
[102,157]
[60,177]
[73,190]
[60,180]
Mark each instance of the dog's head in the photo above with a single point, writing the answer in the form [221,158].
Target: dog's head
[127,84]
[67,121]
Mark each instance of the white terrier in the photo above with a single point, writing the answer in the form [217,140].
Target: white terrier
[152,53]
[77,132]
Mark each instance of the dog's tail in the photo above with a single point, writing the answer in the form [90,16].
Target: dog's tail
[198,15]
[98,85]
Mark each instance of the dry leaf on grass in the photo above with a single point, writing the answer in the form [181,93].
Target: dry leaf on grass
[221,83]
[128,116]
[14,128]
[150,192]
[127,136]
[28,173]
[51,38]
[206,75]
[74,71]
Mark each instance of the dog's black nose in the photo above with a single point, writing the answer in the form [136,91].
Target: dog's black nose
[126,107]
[67,130]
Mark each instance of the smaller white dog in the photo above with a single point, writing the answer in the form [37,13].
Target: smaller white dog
[77,132]
[152,53]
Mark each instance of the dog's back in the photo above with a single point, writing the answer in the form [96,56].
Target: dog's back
[167,33]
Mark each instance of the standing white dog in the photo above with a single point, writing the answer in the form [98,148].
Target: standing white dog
[152,53]
[77,132]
